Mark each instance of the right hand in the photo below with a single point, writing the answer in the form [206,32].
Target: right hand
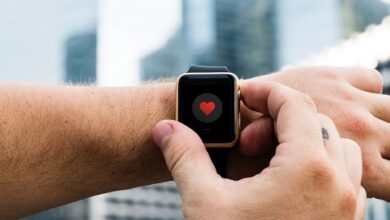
[351,97]
[310,177]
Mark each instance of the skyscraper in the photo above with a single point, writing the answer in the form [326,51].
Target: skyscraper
[166,62]
[358,14]
[80,58]
[245,36]
[240,35]
[304,28]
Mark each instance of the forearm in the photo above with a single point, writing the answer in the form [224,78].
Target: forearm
[60,143]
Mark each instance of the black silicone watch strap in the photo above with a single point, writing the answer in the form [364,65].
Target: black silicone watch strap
[207,69]
[219,156]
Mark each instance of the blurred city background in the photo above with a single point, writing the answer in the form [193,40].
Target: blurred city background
[122,43]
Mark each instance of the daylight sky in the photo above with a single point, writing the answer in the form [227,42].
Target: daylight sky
[129,30]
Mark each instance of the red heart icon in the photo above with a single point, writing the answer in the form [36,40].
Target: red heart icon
[207,107]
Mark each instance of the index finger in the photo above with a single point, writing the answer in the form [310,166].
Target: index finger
[295,113]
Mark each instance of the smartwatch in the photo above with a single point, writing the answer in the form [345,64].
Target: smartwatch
[207,101]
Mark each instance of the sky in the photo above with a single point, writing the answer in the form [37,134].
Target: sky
[126,35]
[33,35]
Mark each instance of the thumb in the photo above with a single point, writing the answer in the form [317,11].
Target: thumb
[184,153]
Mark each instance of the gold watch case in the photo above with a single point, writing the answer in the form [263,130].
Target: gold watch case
[236,104]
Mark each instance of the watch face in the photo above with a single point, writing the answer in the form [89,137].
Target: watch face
[207,103]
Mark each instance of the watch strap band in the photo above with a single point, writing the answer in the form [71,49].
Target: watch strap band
[219,156]
[208,69]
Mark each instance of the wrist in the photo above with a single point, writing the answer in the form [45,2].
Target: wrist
[122,144]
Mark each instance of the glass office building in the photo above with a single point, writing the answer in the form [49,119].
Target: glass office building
[240,35]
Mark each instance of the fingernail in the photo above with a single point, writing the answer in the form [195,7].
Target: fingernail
[161,131]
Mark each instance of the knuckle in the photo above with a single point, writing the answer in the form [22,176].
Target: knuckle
[370,172]
[321,172]
[346,93]
[358,124]
[348,200]
[306,100]
[375,79]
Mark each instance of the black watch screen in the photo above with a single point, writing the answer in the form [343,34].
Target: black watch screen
[208,104]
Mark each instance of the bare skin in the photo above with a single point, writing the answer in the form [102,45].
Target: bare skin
[59,143]
[314,174]
[352,98]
